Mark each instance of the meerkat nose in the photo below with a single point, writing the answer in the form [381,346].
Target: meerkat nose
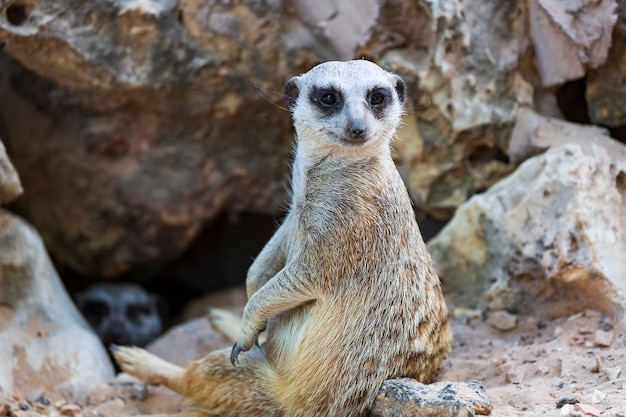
[357,130]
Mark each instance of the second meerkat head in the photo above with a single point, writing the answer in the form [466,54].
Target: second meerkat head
[347,104]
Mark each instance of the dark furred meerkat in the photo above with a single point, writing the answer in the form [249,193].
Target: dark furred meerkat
[121,312]
[345,287]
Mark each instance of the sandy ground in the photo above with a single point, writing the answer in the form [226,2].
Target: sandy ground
[529,370]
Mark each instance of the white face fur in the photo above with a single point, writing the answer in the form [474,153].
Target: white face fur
[353,104]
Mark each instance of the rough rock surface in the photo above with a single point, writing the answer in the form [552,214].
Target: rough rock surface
[141,121]
[570,36]
[549,238]
[407,397]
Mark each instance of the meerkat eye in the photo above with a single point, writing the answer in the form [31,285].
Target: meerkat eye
[328,99]
[377,99]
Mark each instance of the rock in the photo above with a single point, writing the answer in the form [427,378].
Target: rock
[112,408]
[50,345]
[502,320]
[603,339]
[515,375]
[10,186]
[547,240]
[587,410]
[133,124]
[407,397]
[188,341]
[459,60]
[70,410]
[597,396]
[613,373]
[570,36]
[605,89]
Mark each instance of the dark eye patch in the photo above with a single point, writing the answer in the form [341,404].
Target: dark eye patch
[328,100]
[137,311]
[95,310]
[378,100]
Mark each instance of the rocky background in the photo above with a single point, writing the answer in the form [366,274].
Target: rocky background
[152,144]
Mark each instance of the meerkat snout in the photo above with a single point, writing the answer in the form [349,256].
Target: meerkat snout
[363,111]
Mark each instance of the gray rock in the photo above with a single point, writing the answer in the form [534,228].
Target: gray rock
[44,341]
[502,320]
[407,397]
[570,36]
[549,238]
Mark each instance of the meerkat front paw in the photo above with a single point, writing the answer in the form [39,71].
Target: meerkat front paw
[241,345]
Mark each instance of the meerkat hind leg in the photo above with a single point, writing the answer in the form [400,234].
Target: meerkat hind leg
[224,322]
[147,367]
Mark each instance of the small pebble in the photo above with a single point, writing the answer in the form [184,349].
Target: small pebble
[23,406]
[502,320]
[587,409]
[543,370]
[594,365]
[70,410]
[515,376]
[34,396]
[597,396]
[603,338]
[613,373]
[566,400]
[4,409]
[113,407]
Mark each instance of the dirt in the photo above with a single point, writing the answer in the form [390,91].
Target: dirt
[540,367]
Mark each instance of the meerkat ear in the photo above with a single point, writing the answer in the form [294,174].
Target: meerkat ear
[400,87]
[291,92]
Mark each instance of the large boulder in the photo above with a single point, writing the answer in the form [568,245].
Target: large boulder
[134,123]
[549,239]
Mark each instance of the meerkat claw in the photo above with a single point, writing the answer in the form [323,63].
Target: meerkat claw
[234,354]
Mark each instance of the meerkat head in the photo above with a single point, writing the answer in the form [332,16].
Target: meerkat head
[347,104]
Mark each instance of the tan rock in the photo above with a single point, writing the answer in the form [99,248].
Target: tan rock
[502,320]
[549,238]
[407,397]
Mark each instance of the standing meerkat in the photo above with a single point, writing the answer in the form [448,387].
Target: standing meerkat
[345,287]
